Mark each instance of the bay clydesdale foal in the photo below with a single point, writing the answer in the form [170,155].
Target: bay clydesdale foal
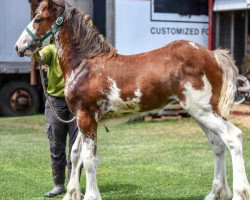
[102,84]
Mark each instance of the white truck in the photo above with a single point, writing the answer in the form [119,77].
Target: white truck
[17,95]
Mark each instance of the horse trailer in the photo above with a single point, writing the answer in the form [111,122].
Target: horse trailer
[155,25]
[17,95]
[20,86]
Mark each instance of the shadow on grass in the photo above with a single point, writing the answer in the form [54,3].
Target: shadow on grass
[126,188]
[162,198]
[128,192]
[183,198]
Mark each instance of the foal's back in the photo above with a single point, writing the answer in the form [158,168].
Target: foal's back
[159,74]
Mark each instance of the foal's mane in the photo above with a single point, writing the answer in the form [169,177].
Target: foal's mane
[86,37]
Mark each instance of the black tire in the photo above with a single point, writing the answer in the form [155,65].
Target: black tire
[19,98]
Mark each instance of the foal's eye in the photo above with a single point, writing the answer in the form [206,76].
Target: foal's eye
[38,20]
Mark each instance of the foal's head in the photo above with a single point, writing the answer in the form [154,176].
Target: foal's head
[49,15]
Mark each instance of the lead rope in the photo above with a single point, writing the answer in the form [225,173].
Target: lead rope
[47,96]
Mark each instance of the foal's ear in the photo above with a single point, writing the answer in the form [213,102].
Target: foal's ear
[55,5]
[49,2]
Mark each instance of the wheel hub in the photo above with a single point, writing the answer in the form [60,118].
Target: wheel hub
[20,101]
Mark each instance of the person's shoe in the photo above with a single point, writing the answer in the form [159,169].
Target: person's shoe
[58,178]
[57,190]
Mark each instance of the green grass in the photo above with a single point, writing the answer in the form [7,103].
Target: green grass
[168,160]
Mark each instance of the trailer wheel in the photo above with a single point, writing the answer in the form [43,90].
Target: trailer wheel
[19,98]
[240,97]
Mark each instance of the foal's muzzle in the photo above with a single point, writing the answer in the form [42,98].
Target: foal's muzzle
[26,50]
[20,53]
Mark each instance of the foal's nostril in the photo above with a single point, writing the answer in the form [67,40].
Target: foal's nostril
[16,48]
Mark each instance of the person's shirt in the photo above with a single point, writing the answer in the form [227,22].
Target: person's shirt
[55,77]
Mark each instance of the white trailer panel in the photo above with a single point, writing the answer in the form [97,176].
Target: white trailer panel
[14,15]
[142,26]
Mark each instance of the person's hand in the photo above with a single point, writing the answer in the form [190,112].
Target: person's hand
[36,56]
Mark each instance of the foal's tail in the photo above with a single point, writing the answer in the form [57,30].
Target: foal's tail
[229,74]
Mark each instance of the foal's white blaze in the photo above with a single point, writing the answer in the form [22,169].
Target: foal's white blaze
[197,100]
[118,105]
[193,45]
[25,38]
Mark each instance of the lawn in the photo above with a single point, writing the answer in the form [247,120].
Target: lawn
[167,160]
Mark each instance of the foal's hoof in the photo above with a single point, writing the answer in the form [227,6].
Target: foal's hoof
[212,196]
[239,198]
[220,195]
[244,194]
[91,197]
[66,197]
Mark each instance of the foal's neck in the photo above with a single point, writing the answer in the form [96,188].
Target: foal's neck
[79,40]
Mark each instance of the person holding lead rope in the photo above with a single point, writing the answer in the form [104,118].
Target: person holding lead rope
[57,130]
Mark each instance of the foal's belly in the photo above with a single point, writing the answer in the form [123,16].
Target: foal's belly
[115,118]
[122,112]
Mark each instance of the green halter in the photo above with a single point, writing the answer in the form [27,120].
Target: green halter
[52,31]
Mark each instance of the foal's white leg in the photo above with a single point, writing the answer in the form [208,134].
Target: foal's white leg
[232,138]
[198,104]
[220,189]
[234,142]
[90,165]
[73,188]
